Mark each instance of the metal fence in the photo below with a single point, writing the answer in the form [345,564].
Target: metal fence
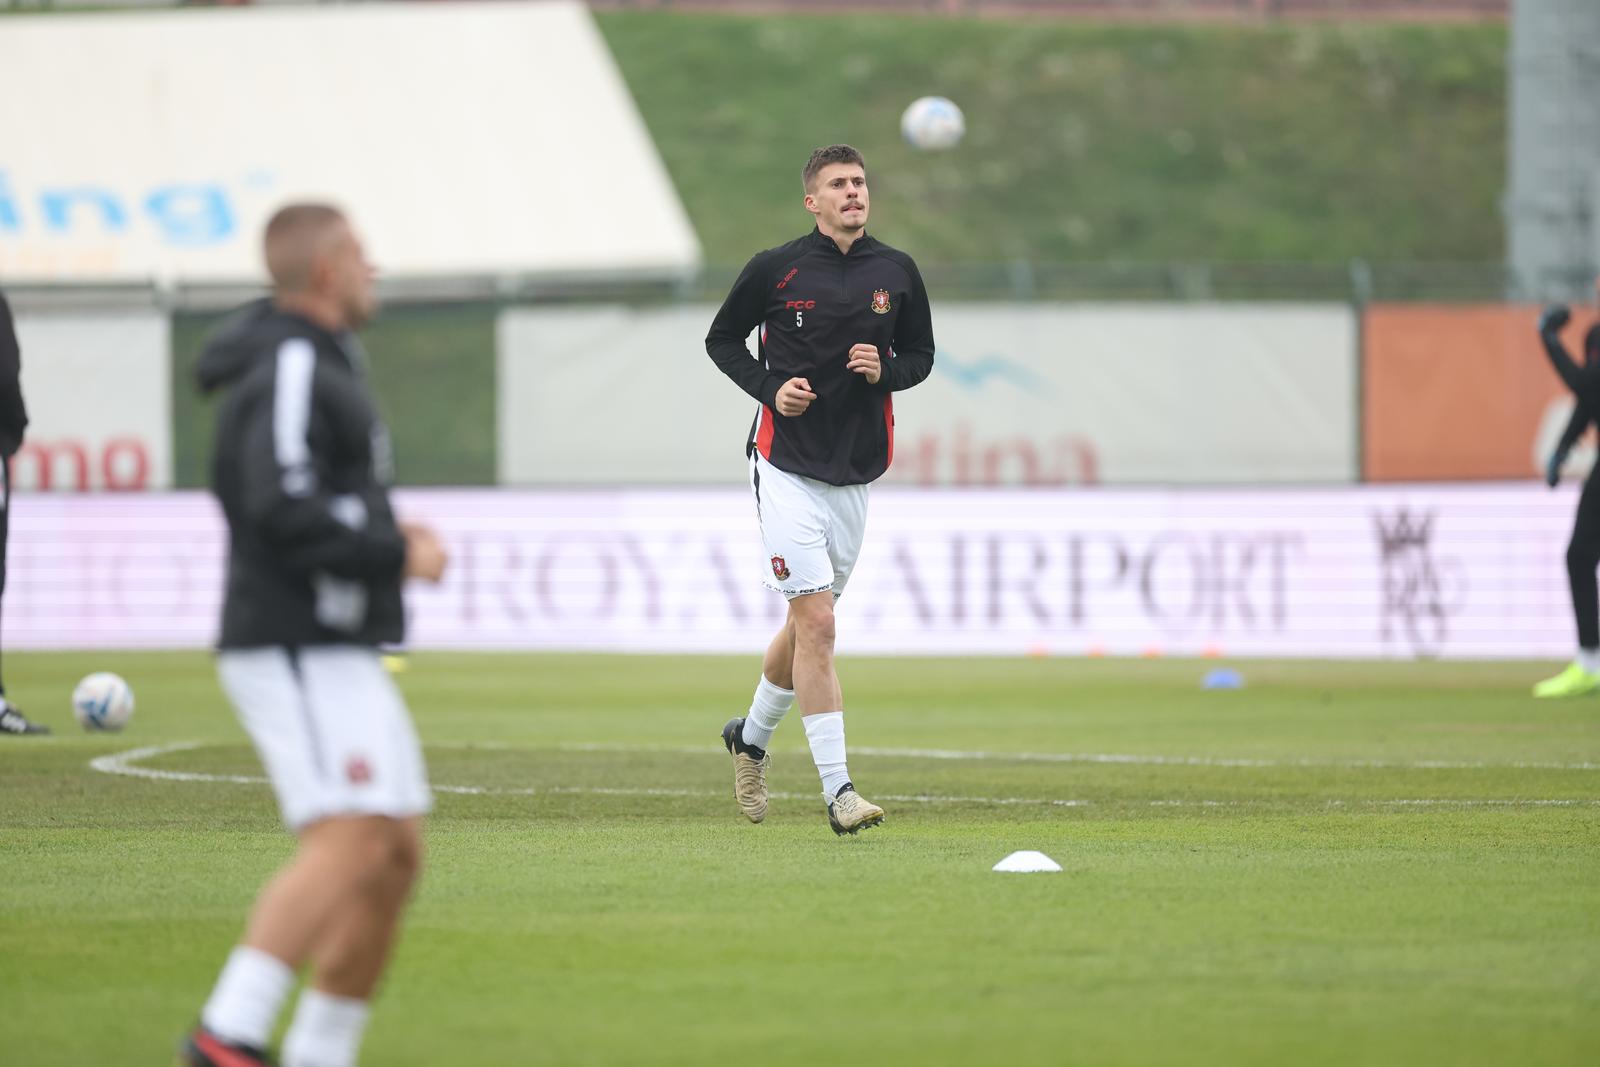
[1357,282]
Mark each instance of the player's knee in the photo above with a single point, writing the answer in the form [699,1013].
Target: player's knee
[378,855]
[815,628]
[395,859]
[367,858]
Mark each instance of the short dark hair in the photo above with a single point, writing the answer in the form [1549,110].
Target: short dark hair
[834,153]
[289,235]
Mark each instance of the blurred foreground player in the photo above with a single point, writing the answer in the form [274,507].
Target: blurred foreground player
[844,325]
[1582,675]
[13,420]
[315,563]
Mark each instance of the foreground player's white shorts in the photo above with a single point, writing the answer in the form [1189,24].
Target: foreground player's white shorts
[331,729]
[812,530]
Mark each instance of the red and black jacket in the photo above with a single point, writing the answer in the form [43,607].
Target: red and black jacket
[813,303]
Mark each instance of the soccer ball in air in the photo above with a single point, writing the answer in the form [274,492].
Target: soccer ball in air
[932,122]
[102,701]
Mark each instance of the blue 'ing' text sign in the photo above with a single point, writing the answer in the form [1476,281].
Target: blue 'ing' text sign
[180,214]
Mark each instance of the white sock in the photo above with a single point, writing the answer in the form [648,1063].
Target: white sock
[249,994]
[826,734]
[767,710]
[326,1031]
[1589,659]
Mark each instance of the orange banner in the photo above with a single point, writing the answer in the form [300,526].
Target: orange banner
[1460,391]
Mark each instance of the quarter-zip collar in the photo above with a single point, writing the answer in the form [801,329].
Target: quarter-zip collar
[822,239]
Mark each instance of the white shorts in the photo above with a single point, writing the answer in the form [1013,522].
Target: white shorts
[331,729]
[812,530]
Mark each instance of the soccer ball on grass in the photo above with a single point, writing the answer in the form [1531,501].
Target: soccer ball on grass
[102,701]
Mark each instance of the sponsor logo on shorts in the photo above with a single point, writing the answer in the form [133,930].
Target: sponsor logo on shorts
[358,770]
[780,569]
[880,301]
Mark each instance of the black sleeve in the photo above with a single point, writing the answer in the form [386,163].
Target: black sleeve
[13,414]
[292,510]
[913,339]
[1583,381]
[741,312]
[1582,415]
[1575,426]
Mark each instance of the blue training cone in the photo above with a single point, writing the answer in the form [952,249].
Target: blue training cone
[1222,678]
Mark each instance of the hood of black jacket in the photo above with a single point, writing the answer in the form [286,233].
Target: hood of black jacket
[233,346]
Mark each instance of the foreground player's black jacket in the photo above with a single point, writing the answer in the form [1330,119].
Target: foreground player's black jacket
[813,303]
[300,465]
[13,415]
[1583,412]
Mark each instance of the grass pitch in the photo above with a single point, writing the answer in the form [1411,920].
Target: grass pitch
[1349,863]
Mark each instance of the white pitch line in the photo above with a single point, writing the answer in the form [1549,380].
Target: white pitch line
[123,763]
[1121,758]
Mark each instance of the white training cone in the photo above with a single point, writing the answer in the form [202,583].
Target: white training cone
[1027,862]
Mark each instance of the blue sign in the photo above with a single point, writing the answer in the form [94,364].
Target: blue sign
[179,214]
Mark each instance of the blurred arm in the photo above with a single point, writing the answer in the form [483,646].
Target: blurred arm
[284,462]
[1581,417]
[1583,381]
[741,312]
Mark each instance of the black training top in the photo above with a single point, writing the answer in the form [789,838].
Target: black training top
[1584,383]
[301,466]
[813,303]
[13,415]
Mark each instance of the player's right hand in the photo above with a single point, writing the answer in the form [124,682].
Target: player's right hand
[425,554]
[1555,316]
[794,396]
[1552,469]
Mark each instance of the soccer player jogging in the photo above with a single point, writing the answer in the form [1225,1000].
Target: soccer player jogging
[315,561]
[1583,552]
[844,325]
[13,420]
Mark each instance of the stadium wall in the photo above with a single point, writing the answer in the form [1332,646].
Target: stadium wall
[1036,395]
[99,400]
[1463,392]
[1370,571]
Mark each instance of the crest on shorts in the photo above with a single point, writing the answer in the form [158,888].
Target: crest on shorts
[780,569]
[358,770]
[880,301]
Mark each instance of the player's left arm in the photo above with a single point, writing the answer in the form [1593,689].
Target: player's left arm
[1583,381]
[1582,415]
[1575,426]
[913,339]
